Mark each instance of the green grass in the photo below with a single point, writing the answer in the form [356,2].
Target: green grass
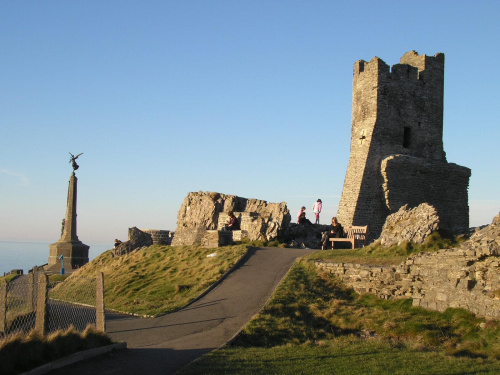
[380,255]
[8,278]
[154,280]
[314,324]
[345,355]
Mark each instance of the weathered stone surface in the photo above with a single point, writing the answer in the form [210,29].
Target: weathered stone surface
[136,240]
[485,241]
[397,155]
[305,236]
[159,236]
[410,180]
[464,277]
[201,211]
[217,238]
[412,225]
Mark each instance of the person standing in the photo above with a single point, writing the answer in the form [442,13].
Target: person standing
[318,205]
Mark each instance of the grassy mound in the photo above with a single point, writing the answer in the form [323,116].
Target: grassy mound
[153,280]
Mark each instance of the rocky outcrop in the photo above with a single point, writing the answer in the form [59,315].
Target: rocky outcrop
[305,236]
[411,225]
[466,277]
[201,211]
[136,240]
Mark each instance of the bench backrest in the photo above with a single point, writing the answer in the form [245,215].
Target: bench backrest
[353,230]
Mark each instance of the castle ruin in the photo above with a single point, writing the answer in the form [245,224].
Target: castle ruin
[397,154]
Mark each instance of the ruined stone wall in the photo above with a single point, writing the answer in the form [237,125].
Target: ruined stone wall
[396,111]
[410,180]
[160,237]
[465,277]
[201,211]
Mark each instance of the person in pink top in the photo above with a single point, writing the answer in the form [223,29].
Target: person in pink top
[301,217]
[318,205]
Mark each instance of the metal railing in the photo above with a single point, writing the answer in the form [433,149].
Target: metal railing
[33,302]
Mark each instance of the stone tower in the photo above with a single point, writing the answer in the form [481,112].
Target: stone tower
[76,253]
[397,154]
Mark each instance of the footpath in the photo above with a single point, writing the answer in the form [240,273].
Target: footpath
[165,344]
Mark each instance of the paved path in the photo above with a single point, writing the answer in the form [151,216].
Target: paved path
[165,344]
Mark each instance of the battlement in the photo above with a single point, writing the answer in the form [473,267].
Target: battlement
[375,66]
[412,66]
[423,62]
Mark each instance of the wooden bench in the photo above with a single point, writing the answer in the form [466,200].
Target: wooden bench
[354,233]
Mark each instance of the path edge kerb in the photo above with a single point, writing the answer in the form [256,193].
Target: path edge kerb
[73,358]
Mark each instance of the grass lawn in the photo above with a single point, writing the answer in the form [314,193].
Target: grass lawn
[346,355]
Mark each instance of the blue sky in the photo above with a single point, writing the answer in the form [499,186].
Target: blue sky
[251,98]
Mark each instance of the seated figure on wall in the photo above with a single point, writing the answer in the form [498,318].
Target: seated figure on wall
[334,231]
[232,222]
[301,217]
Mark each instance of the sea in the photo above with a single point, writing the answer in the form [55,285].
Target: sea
[26,255]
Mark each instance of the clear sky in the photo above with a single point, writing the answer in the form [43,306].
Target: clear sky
[251,98]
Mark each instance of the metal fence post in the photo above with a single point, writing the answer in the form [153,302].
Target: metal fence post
[41,306]
[100,320]
[3,307]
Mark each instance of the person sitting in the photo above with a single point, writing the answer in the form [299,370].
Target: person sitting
[117,242]
[301,217]
[334,231]
[232,222]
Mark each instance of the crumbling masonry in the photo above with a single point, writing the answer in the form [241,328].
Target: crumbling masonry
[397,154]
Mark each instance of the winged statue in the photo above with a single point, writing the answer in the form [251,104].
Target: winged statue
[73,161]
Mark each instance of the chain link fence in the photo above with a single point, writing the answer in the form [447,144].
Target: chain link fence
[34,302]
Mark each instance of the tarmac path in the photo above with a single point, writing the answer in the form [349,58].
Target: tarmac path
[165,344]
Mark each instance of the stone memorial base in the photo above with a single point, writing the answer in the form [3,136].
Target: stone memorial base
[76,254]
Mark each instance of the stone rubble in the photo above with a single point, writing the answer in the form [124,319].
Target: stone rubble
[411,225]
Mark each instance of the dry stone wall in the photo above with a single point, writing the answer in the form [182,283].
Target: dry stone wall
[464,277]
[202,211]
